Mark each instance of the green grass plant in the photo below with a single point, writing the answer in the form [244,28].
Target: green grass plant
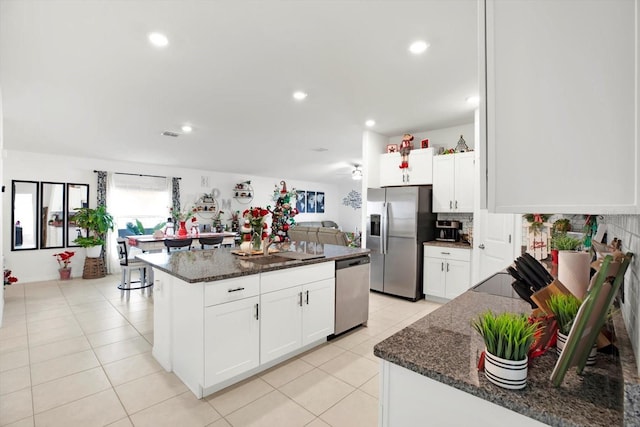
[562,242]
[506,335]
[564,308]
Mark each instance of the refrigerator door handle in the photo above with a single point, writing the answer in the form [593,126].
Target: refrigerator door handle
[385,228]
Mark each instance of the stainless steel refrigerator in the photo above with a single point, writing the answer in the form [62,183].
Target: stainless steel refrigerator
[399,220]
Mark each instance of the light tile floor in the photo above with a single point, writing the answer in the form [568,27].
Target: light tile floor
[75,353]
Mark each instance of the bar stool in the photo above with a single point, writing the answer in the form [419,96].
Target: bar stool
[216,242]
[178,244]
[126,265]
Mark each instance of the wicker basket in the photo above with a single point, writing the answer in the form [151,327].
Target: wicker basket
[94,268]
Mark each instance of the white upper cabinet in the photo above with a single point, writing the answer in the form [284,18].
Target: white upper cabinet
[420,171]
[560,120]
[453,182]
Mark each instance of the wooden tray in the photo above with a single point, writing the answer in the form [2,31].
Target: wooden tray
[254,252]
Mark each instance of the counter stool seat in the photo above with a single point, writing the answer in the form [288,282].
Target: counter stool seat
[128,263]
[216,242]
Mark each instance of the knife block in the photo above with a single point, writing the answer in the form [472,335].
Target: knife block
[542,296]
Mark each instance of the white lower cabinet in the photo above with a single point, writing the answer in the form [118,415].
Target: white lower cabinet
[294,317]
[214,334]
[318,320]
[446,272]
[231,341]
[281,323]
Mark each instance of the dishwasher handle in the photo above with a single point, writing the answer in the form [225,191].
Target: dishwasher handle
[352,262]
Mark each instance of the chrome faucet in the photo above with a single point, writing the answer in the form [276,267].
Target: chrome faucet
[266,242]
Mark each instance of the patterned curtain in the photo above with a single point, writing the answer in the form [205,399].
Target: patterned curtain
[175,193]
[102,188]
[102,201]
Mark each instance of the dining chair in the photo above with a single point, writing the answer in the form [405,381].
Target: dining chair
[178,244]
[216,242]
[128,263]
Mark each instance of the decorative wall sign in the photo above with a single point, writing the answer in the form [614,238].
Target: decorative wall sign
[311,202]
[320,202]
[301,201]
[353,199]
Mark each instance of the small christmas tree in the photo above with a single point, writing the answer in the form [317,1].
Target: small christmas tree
[282,213]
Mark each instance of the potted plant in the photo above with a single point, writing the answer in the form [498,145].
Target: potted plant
[138,229]
[565,309]
[98,221]
[64,259]
[507,339]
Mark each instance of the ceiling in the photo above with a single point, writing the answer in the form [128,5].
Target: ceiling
[80,77]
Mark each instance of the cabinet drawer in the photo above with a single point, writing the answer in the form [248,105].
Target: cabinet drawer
[222,291]
[447,253]
[282,279]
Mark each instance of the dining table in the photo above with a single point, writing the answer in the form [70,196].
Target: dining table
[150,243]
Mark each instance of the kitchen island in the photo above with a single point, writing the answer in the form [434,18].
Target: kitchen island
[220,317]
[429,372]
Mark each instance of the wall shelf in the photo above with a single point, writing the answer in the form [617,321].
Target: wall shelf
[243,192]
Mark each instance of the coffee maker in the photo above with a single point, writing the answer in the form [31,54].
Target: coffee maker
[448,231]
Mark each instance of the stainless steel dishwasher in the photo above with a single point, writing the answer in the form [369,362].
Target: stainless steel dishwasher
[352,293]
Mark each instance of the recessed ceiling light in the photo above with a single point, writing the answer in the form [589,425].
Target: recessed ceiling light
[299,95]
[158,39]
[370,123]
[473,100]
[186,128]
[418,47]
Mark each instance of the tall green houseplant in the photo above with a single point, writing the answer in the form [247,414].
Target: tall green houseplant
[98,221]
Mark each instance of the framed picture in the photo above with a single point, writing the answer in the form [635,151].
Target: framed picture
[319,202]
[424,143]
[311,202]
[301,201]
[392,148]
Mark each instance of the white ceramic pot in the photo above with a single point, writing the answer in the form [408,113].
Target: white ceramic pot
[94,251]
[506,373]
[562,340]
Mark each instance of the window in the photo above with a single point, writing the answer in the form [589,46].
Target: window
[139,197]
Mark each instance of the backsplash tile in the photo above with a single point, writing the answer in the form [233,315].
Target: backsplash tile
[627,228]
[465,218]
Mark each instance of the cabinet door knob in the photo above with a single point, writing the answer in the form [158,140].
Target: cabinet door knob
[300,301]
[442,266]
[257,312]
[307,297]
[447,267]
[481,246]
[450,204]
[456,204]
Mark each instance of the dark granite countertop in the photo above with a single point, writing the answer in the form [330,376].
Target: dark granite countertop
[218,264]
[443,346]
[461,245]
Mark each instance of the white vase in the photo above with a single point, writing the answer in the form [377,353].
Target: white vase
[562,340]
[94,251]
[510,374]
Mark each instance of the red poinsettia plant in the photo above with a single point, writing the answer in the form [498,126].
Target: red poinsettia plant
[256,217]
[8,278]
[64,258]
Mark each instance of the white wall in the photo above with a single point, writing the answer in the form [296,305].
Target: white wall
[627,229]
[350,217]
[39,265]
[4,202]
